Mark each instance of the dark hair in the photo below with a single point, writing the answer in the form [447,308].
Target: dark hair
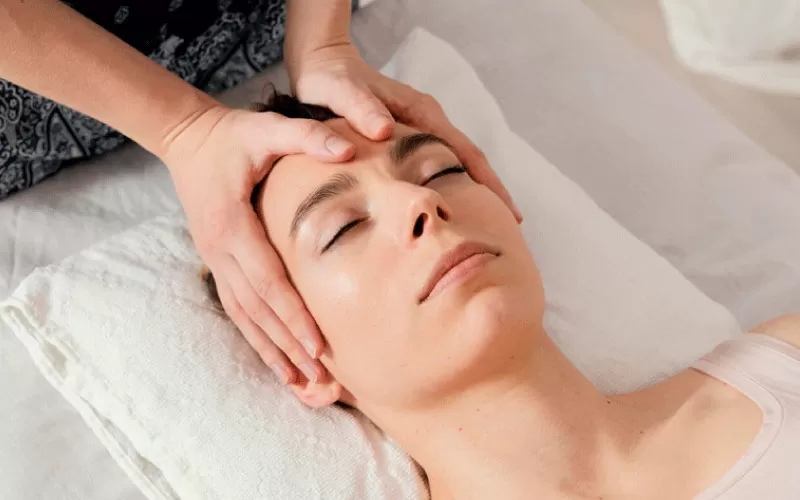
[290,107]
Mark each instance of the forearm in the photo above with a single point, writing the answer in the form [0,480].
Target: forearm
[52,50]
[313,25]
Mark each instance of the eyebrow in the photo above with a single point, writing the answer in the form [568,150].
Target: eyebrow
[343,182]
[409,144]
[338,184]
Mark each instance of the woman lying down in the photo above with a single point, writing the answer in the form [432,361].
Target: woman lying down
[431,306]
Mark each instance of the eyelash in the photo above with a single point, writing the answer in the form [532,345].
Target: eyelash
[454,169]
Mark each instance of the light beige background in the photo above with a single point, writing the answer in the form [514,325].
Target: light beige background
[771,120]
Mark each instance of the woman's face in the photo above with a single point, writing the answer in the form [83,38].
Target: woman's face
[363,242]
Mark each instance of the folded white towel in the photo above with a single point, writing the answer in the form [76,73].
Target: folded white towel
[126,332]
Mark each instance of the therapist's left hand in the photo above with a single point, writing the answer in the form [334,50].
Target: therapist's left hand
[335,76]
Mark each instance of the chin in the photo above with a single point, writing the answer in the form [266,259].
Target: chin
[499,324]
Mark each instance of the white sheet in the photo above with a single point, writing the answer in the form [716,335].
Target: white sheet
[591,105]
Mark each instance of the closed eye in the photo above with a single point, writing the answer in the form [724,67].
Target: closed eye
[455,169]
[341,232]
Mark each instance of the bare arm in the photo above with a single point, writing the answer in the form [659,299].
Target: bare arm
[50,49]
[313,25]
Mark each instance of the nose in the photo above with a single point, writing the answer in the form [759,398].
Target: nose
[426,213]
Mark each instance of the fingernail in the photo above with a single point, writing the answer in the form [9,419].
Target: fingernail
[310,372]
[378,121]
[517,210]
[281,372]
[336,145]
[310,347]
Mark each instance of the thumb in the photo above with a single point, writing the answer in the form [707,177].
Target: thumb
[362,109]
[281,136]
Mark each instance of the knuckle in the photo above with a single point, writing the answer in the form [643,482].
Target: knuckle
[421,106]
[269,117]
[269,353]
[429,101]
[475,156]
[205,247]
[266,289]
[258,314]
[214,229]
[294,319]
[233,309]
[308,130]
[395,103]
[361,98]
[296,353]
[277,342]
[216,226]
[271,120]
[265,348]
[341,81]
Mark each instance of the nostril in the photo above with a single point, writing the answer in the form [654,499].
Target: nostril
[419,225]
[441,213]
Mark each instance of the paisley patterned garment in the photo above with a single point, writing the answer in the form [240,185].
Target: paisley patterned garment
[212,44]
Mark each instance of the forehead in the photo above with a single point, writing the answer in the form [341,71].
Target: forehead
[295,176]
[366,151]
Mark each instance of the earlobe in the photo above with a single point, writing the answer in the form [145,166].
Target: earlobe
[319,395]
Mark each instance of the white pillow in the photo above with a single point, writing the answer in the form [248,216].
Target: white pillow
[126,332]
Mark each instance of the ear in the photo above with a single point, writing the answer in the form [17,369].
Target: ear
[317,395]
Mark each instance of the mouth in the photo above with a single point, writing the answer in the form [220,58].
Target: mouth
[456,265]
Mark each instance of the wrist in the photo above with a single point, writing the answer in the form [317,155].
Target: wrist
[187,128]
[333,50]
[313,26]
[161,107]
[297,54]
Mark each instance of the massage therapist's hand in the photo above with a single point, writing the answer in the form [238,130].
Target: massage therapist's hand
[335,76]
[215,161]
[215,155]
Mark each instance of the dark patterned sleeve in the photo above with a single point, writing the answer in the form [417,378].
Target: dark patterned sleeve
[212,44]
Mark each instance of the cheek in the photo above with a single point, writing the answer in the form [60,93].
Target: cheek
[348,299]
[483,214]
[480,212]
[361,306]
[330,295]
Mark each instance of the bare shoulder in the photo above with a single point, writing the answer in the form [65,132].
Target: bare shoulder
[786,328]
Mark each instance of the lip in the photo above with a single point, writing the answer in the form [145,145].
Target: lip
[452,260]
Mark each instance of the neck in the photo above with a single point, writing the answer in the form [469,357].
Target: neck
[539,429]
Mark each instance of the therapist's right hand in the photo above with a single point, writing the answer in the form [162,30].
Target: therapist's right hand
[216,158]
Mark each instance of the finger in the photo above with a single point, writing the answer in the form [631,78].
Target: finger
[477,164]
[267,351]
[267,275]
[362,109]
[426,114]
[286,136]
[297,333]
[267,321]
